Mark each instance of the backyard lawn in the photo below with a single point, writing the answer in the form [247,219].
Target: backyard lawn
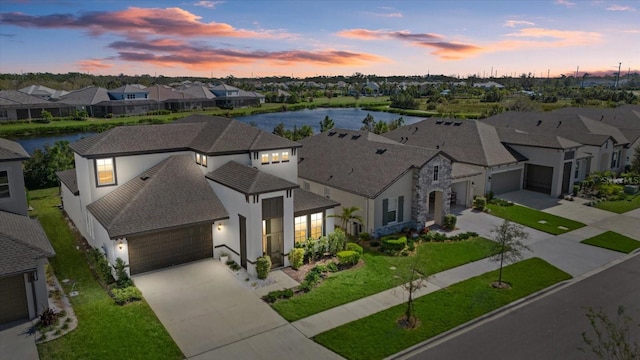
[105,330]
[378,336]
[535,219]
[632,202]
[381,272]
[613,241]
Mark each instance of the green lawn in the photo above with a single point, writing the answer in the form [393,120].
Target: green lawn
[376,275]
[632,202]
[378,336]
[613,241]
[531,217]
[105,330]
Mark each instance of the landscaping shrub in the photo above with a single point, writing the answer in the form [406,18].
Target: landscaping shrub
[374,244]
[263,266]
[479,203]
[610,190]
[125,295]
[449,221]
[276,295]
[394,244]
[296,258]
[354,247]
[364,236]
[348,257]
[122,278]
[336,241]
[332,267]
[48,317]
[102,267]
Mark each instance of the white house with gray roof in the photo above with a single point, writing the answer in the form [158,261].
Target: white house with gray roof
[24,246]
[161,195]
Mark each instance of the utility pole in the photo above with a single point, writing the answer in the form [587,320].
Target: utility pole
[618,74]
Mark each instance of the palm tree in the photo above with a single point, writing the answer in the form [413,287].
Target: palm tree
[348,215]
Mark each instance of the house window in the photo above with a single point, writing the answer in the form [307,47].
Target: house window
[131,96]
[577,169]
[316,226]
[265,159]
[285,156]
[4,185]
[615,159]
[201,159]
[105,172]
[435,173]
[300,228]
[275,157]
[392,210]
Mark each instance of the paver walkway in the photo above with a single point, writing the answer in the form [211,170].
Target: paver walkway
[563,251]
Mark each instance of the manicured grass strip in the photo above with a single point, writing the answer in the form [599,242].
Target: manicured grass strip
[376,275]
[613,241]
[531,217]
[105,330]
[632,202]
[378,335]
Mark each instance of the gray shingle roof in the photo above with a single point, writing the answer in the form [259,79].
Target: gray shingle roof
[199,92]
[22,242]
[574,127]
[87,96]
[15,97]
[70,180]
[248,180]
[458,170]
[12,151]
[467,141]
[519,137]
[625,118]
[357,161]
[305,201]
[172,193]
[206,134]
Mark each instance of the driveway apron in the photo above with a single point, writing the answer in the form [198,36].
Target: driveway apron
[204,307]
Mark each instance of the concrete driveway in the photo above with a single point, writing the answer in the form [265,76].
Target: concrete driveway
[17,341]
[210,313]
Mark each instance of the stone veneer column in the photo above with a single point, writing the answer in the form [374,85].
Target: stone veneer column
[423,184]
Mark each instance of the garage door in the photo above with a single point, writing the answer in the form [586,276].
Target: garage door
[505,181]
[171,247]
[13,299]
[539,178]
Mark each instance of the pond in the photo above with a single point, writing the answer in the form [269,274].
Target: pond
[343,118]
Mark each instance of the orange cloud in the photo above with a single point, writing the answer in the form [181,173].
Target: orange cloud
[92,65]
[582,37]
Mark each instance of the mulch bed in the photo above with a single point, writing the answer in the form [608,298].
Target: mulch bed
[299,275]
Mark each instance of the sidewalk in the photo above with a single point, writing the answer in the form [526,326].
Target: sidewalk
[563,251]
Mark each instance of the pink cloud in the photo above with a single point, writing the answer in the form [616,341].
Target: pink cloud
[208,4]
[92,65]
[620,8]
[566,3]
[515,23]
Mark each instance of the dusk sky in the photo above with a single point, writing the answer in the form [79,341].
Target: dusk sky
[258,38]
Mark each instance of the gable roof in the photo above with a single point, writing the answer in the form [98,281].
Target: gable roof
[163,93]
[43,91]
[70,179]
[519,137]
[625,117]
[198,91]
[307,202]
[88,96]
[15,97]
[173,193]
[22,242]
[12,151]
[248,180]
[358,162]
[571,126]
[129,88]
[467,141]
[209,135]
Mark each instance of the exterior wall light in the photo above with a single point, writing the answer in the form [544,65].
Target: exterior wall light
[120,245]
[219,226]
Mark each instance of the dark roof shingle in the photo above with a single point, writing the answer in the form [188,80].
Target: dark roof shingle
[12,151]
[248,180]
[22,242]
[305,201]
[70,179]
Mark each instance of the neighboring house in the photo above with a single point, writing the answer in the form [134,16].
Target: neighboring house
[394,185]
[43,92]
[161,195]
[87,99]
[17,105]
[488,85]
[129,92]
[603,147]
[24,246]
[626,118]
[228,96]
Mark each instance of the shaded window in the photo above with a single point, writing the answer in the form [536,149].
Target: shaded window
[4,185]
[265,158]
[285,156]
[435,173]
[300,228]
[392,210]
[105,172]
[316,226]
[275,157]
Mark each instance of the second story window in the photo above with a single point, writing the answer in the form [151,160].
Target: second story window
[131,96]
[275,157]
[201,159]
[105,172]
[435,173]
[264,159]
[4,185]
[285,156]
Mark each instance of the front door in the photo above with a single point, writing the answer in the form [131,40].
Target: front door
[273,240]
[243,241]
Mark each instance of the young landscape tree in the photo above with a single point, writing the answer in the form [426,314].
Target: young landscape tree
[40,169]
[416,281]
[509,238]
[326,124]
[348,215]
[614,339]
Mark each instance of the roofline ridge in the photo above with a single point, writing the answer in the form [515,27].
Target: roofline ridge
[31,246]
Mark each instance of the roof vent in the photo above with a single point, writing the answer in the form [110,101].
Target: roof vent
[144,177]
[415,130]
[439,122]
[448,122]
[457,123]
[380,151]
[559,123]
[355,137]
[539,122]
[342,135]
[332,132]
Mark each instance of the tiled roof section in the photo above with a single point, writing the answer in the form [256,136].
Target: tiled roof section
[22,241]
[467,141]
[129,88]
[458,170]
[43,91]
[12,151]
[248,180]
[87,96]
[306,201]
[198,92]
[15,97]
[574,127]
[225,87]
[172,193]
[519,137]
[358,161]
[70,180]
[622,117]
[163,92]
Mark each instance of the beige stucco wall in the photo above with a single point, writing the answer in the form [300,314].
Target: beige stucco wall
[17,201]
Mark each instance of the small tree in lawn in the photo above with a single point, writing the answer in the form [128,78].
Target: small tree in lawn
[348,214]
[509,238]
[613,339]
[416,282]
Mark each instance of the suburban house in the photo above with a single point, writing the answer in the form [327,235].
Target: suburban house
[602,146]
[85,99]
[161,195]
[395,186]
[43,92]
[16,105]
[24,246]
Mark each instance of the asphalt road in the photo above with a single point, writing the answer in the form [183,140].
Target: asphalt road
[549,327]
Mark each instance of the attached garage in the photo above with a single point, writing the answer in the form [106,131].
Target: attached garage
[538,178]
[13,299]
[505,181]
[171,247]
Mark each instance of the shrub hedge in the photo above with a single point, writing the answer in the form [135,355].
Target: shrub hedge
[125,295]
[449,221]
[355,247]
[348,257]
[391,244]
[296,258]
[263,266]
